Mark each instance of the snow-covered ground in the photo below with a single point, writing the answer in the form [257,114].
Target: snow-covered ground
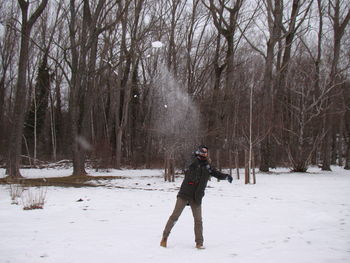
[284,218]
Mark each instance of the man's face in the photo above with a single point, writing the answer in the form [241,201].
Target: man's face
[204,153]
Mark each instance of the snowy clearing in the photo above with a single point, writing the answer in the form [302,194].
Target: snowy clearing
[284,218]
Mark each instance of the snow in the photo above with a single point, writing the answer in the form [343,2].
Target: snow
[157,44]
[286,217]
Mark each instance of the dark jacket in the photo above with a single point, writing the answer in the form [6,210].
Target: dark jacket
[196,179]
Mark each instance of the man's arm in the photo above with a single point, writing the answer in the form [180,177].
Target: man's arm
[219,175]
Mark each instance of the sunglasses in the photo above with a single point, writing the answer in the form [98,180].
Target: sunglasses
[203,151]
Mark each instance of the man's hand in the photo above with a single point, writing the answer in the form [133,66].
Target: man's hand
[229,178]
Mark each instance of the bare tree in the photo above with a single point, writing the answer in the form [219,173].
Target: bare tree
[8,52]
[222,62]
[194,40]
[274,18]
[176,10]
[305,107]
[225,16]
[15,140]
[125,85]
[339,13]
[296,19]
[83,66]
[346,93]
[284,91]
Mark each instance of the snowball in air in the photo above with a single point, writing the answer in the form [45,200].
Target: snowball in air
[165,106]
[157,44]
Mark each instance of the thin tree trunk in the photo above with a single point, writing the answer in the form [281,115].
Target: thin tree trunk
[347,158]
[237,164]
[253,169]
[246,167]
[2,111]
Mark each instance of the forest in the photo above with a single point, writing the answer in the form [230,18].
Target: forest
[140,83]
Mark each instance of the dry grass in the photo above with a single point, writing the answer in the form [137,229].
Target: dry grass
[34,198]
[16,191]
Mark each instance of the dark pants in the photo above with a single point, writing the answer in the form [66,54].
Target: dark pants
[197,215]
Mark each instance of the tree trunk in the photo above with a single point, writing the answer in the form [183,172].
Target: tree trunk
[118,150]
[2,111]
[237,164]
[212,114]
[346,96]
[326,146]
[265,152]
[347,157]
[253,169]
[246,167]
[77,94]
[267,111]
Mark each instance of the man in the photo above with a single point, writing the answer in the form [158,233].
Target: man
[191,193]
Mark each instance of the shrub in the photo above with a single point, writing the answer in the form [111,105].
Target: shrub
[34,198]
[16,191]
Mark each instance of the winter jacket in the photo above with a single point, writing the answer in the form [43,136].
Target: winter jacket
[196,179]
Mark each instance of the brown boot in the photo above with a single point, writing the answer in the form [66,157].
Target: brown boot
[163,242]
[200,246]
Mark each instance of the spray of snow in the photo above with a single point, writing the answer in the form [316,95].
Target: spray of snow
[175,117]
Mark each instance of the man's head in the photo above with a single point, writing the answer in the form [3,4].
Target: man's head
[202,152]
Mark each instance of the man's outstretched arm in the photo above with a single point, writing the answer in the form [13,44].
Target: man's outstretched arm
[219,175]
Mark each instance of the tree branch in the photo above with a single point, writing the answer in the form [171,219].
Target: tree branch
[36,13]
